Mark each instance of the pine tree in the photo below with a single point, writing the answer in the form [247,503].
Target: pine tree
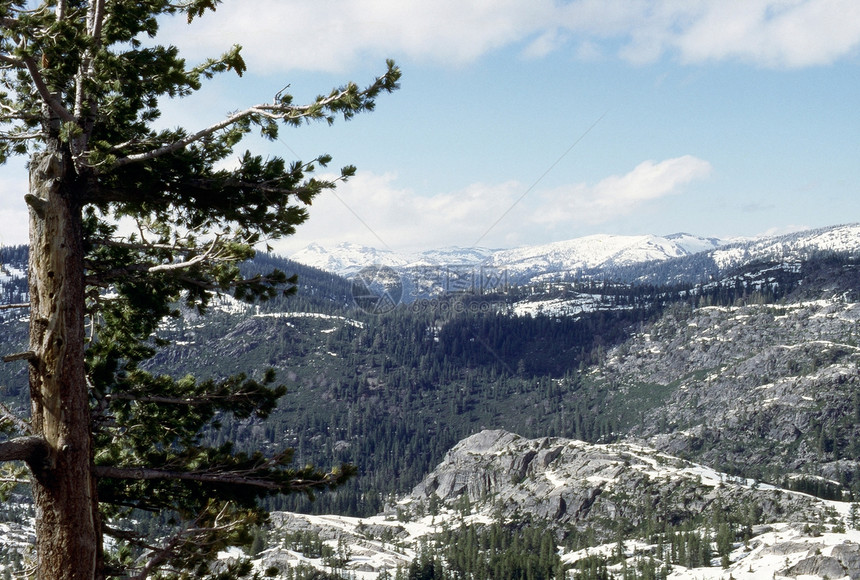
[81,85]
[854,515]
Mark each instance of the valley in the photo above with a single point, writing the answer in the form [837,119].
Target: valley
[614,407]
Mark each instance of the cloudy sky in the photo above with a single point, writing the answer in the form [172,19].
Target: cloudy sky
[530,121]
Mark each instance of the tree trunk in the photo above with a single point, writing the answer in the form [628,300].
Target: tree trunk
[64,488]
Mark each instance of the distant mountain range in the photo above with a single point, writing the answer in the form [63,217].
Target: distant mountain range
[719,407]
[587,256]
[586,252]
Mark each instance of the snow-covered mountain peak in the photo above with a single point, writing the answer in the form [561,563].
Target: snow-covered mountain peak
[794,246]
[346,258]
[564,256]
[591,252]
[695,244]
[588,254]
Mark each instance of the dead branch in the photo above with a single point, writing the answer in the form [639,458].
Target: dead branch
[278,112]
[48,97]
[31,449]
[145,473]
[194,535]
[11,417]
[27,355]
[208,254]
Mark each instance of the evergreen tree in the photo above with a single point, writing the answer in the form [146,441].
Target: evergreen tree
[81,85]
[854,515]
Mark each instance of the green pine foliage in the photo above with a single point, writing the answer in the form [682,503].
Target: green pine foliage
[487,552]
[400,389]
[80,87]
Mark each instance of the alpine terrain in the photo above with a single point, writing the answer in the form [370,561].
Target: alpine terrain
[605,407]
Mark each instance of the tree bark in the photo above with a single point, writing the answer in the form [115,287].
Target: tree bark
[64,488]
[33,450]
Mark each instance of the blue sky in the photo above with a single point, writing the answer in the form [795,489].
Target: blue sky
[524,122]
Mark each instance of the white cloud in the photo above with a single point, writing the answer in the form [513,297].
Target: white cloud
[331,35]
[14,217]
[327,35]
[781,231]
[546,43]
[15,231]
[621,195]
[780,34]
[372,210]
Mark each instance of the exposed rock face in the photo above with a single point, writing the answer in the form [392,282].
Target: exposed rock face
[776,387]
[568,485]
[571,482]
[843,561]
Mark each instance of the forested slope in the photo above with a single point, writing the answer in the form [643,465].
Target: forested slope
[393,392]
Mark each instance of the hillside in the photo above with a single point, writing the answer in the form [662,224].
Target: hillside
[468,517]
[741,359]
[499,505]
[757,389]
[596,489]
[559,260]
[703,370]
[673,259]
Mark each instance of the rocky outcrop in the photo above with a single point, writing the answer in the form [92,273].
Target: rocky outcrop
[843,562]
[567,482]
[755,389]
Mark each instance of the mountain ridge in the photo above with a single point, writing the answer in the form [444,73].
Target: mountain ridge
[594,255]
[579,497]
[347,258]
[752,370]
[582,494]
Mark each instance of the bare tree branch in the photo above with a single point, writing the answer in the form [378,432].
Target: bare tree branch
[26,355]
[18,305]
[280,112]
[178,265]
[12,61]
[145,473]
[20,136]
[143,246]
[159,556]
[197,400]
[95,20]
[195,535]
[208,254]
[50,98]
[30,449]
[11,417]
